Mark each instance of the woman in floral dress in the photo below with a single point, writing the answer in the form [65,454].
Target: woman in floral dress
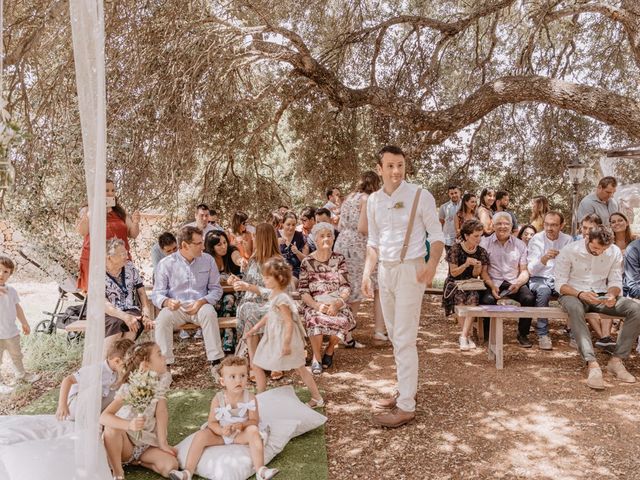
[352,244]
[325,289]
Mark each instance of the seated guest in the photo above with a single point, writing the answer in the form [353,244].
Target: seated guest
[467,210]
[214,219]
[600,202]
[543,248]
[186,289]
[166,245]
[621,231]
[588,275]
[466,260]
[292,244]
[307,221]
[240,235]
[123,317]
[631,277]
[254,303]
[507,275]
[324,287]
[323,215]
[485,209]
[586,224]
[202,220]
[275,219]
[228,260]
[526,232]
[539,208]
[502,205]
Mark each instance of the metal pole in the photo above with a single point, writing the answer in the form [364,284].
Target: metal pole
[574,208]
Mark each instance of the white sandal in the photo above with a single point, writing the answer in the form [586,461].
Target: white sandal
[313,403]
[265,473]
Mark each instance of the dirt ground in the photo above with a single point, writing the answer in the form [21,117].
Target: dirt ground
[536,419]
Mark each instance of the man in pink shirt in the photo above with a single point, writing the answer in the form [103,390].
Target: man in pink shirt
[507,275]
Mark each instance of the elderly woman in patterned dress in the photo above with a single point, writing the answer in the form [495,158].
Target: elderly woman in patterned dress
[352,244]
[324,287]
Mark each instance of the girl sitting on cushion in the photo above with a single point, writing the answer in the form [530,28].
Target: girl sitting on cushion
[233,419]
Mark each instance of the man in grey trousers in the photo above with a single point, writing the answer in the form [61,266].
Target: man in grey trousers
[588,275]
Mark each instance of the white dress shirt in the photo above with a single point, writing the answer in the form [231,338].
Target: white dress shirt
[576,267]
[388,217]
[538,246]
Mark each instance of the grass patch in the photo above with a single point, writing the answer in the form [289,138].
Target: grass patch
[304,457]
[52,354]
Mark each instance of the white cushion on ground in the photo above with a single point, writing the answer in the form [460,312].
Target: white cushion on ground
[233,462]
[282,403]
[50,459]
[23,428]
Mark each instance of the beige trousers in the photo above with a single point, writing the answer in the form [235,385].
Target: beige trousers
[401,299]
[12,345]
[168,321]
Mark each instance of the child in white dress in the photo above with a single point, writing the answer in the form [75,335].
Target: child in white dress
[233,419]
[282,344]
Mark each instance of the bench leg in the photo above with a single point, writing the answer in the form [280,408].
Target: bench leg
[480,330]
[492,339]
[498,345]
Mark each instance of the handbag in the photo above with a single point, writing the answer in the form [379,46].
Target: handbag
[465,286]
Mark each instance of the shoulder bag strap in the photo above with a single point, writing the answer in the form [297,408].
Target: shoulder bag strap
[412,217]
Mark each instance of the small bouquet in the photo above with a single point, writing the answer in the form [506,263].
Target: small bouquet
[144,387]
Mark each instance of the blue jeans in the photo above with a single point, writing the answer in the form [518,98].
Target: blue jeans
[543,288]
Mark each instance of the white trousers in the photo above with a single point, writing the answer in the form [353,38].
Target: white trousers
[168,321]
[401,298]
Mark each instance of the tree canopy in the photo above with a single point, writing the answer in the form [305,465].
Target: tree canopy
[254,104]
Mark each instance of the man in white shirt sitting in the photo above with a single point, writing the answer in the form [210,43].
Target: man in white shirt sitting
[202,220]
[402,273]
[588,275]
[543,248]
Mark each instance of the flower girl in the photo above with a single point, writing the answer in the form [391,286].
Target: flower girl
[282,345]
[135,423]
[233,418]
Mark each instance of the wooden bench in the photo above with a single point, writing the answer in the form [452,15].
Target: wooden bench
[497,314]
[223,322]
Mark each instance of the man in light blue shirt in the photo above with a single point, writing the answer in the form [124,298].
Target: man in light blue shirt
[447,216]
[187,286]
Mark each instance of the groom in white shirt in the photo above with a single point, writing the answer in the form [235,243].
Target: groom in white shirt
[402,273]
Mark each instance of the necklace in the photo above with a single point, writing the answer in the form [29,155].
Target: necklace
[467,249]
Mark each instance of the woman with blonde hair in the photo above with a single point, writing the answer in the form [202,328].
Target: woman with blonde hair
[254,303]
[621,230]
[241,235]
[539,208]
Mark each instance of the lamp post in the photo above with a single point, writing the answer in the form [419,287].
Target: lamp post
[575,170]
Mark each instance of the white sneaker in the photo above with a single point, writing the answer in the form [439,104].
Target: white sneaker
[382,337]
[265,473]
[184,335]
[471,343]
[29,378]
[464,343]
[544,342]
[198,333]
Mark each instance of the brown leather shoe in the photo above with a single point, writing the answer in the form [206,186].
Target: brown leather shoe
[395,418]
[387,403]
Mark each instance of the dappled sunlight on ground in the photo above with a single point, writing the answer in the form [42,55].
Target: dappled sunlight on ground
[536,419]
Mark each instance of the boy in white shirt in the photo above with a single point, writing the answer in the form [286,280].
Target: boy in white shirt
[109,381]
[10,311]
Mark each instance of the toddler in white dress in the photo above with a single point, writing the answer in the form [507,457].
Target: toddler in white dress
[282,344]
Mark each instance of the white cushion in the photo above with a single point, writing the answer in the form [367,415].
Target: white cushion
[23,428]
[53,460]
[233,462]
[282,403]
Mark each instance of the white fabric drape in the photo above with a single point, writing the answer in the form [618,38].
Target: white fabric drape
[87,21]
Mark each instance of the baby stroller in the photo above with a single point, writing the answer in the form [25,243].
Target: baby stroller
[71,306]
